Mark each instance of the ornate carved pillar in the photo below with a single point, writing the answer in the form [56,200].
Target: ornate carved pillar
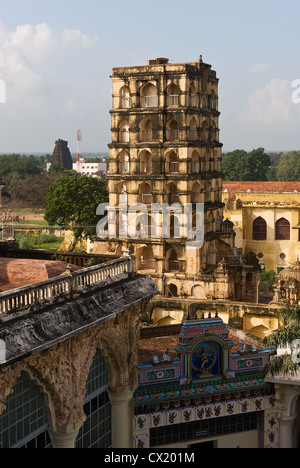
[119,343]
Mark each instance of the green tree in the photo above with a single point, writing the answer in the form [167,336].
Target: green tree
[71,202]
[232,164]
[268,276]
[240,165]
[282,337]
[288,168]
[15,164]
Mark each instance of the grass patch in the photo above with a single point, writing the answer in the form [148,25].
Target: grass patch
[41,241]
[25,224]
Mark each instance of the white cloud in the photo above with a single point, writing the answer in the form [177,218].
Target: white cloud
[258,68]
[271,105]
[25,52]
[48,93]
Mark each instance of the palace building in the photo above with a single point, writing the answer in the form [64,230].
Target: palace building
[266,219]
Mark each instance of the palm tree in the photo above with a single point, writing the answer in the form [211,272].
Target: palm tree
[288,333]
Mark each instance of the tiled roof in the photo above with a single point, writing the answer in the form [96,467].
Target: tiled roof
[148,347]
[241,186]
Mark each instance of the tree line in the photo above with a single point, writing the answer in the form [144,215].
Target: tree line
[26,180]
[258,165]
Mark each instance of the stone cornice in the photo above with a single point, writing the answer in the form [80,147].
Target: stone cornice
[66,317]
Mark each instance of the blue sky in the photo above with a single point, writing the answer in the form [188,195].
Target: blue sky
[56,58]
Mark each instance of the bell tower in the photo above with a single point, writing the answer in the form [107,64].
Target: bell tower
[165,149]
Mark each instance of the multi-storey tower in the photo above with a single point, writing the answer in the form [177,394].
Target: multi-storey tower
[165,149]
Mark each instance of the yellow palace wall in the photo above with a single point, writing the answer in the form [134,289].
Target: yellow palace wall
[248,206]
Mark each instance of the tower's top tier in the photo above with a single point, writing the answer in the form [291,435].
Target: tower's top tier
[163,65]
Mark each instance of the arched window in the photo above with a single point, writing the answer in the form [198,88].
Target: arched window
[149,97]
[259,229]
[124,165]
[206,162]
[205,131]
[122,196]
[211,256]
[208,193]
[196,193]
[145,130]
[193,129]
[124,132]
[145,259]
[172,163]
[125,97]
[282,229]
[24,423]
[145,162]
[172,194]
[172,132]
[96,431]
[214,100]
[172,261]
[171,290]
[172,95]
[210,222]
[195,163]
[217,191]
[145,194]
[175,227]
[193,96]
[144,225]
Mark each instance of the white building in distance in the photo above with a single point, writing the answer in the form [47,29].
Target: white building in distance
[91,169]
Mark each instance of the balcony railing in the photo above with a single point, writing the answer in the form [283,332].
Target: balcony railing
[172,134]
[145,135]
[174,167]
[63,287]
[147,264]
[173,265]
[193,101]
[173,100]
[124,136]
[125,102]
[146,198]
[149,101]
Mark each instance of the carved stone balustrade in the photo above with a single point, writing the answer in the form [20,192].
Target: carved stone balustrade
[63,287]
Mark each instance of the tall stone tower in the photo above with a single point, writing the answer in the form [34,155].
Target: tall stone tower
[165,149]
[61,155]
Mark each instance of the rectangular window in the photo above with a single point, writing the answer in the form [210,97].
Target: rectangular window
[197,430]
